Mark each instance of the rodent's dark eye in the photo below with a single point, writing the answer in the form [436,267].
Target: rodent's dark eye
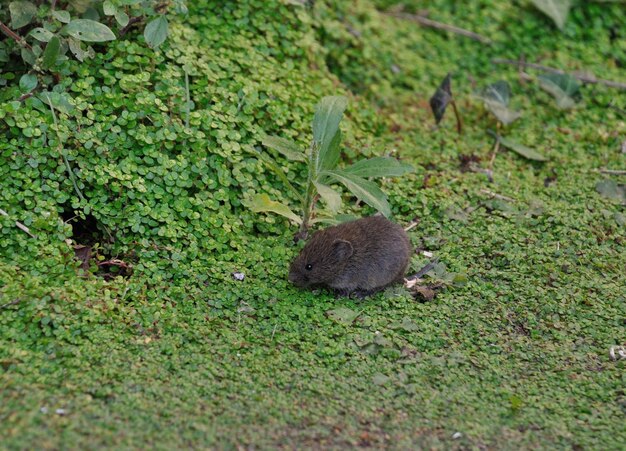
[308,267]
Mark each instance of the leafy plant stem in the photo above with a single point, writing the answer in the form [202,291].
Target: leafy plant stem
[10,33]
[459,122]
[187,98]
[308,201]
[62,152]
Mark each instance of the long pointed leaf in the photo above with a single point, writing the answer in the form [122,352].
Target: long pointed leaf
[329,195]
[367,191]
[286,147]
[379,167]
[263,203]
[328,114]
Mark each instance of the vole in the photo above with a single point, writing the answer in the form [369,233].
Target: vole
[359,257]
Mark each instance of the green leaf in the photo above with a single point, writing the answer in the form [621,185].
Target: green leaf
[108,8]
[521,149]
[60,101]
[331,157]
[77,49]
[61,16]
[263,203]
[441,98]
[611,190]
[156,32]
[41,34]
[285,146]
[379,167]
[51,53]
[328,114]
[496,98]
[365,190]
[329,195]
[89,30]
[343,315]
[22,13]
[122,18]
[563,88]
[557,10]
[28,82]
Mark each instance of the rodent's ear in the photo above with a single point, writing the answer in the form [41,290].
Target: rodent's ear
[342,249]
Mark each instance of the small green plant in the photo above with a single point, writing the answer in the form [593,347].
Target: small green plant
[42,34]
[321,159]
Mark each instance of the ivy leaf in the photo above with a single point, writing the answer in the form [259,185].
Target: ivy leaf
[22,13]
[122,18]
[563,88]
[89,30]
[330,196]
[61,16]
[365,190]
[109,8]
[521,149]
[441,98]
[156,32]
[611,190]
[496,98]
[328,114]
[379,167]
[28,82]
[263,203]
[41,34]
[51,53]
[77,50]
[284,146]
[557,10]
[343,315]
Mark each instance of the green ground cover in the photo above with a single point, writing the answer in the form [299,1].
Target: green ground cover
[179,354]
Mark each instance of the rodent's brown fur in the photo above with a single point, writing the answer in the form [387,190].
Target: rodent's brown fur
[361,256]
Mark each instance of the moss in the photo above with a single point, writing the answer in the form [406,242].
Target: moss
[181,354]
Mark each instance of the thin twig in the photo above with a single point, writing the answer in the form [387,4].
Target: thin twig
[496,195]
[9,304]
[62,152]
[18,224]
[584,78]
[459,122]
[10,33]
[440,26]
[612,171]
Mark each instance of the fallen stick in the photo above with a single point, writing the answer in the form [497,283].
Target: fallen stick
[440,26]
[18,224]
[584,78]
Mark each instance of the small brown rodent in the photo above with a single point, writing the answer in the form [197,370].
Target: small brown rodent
[360,257]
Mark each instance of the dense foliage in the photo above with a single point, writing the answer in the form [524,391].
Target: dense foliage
[146,157]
